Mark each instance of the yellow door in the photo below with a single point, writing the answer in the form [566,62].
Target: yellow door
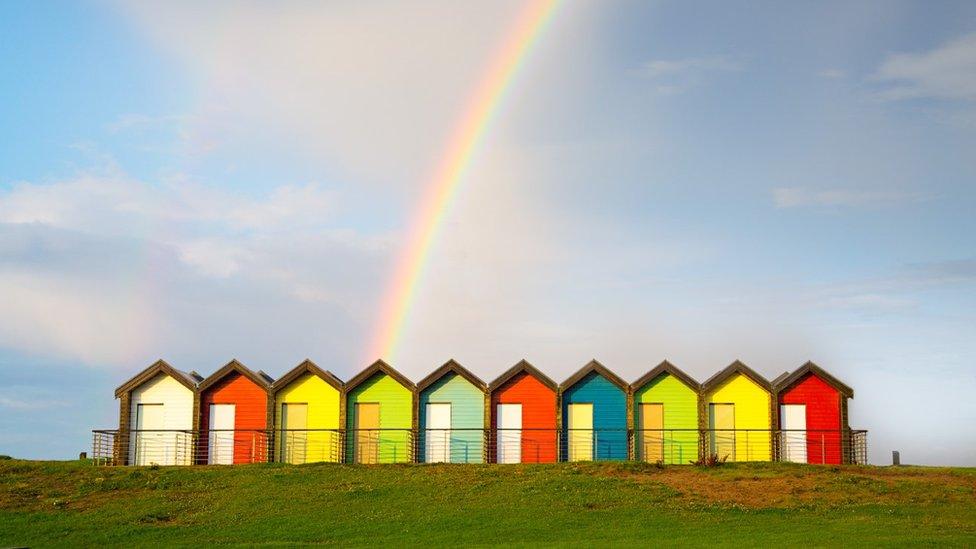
[367,434]
[721,420]
[580,432]
[651,439]
[294,437]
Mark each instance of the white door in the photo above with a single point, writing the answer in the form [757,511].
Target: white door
[150,440]
[221,434]
[438,432]
[509,437]
[793,423]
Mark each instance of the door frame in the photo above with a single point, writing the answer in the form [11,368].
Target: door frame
[446,432]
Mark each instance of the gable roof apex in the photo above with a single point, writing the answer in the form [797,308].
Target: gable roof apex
[154,369]
[379,367]
[666,367]
[593,367]
[737,367]
[451,366]
[231,367]
[810,368]
[523,366]
[306,367]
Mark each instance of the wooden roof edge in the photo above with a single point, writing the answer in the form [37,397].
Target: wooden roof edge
[593,366]
[737,367]
[234,366]
[380,367]
[666,367]
[154,369]
[455,367]
[523,366]
[307,367]
[809,367]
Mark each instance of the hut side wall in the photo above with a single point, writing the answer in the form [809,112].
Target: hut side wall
[823,405]
[250,417]
[173,443]
[396,412]
[609,416]
[538,416]
[753,406]
[467,412]
[323,413]
[680,412]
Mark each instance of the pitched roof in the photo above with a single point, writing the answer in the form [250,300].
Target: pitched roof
[451,366]
[666,367]
[306,367]
[736,367]
[811,368]
[523,367]
[156,368]
[779,378]
[234,367]
[379,367]
[593,366]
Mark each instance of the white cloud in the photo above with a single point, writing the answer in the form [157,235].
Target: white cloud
[947,72]
[109,270]
[658,68]
[794,197]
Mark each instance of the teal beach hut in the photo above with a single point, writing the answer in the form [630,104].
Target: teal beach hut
[451,414]
[594,411]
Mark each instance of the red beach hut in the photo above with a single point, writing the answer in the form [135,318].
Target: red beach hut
[523,416]
[813,416]
[234,416]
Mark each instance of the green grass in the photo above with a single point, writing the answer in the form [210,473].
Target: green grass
[78,504]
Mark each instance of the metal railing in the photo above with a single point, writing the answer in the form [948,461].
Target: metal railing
[297,446]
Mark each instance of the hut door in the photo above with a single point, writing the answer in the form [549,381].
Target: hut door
[509,436]
[367,432]
[438,432]
[580,432]
[221,442]
[793,423]
[294,436]
[150,439]
[721,421]
[651,435]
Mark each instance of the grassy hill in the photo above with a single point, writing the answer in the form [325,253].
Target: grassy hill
[75,503]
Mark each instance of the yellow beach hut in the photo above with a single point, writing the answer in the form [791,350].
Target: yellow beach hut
[737,412]
[308,415]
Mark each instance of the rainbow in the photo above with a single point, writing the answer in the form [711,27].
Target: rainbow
[449,174]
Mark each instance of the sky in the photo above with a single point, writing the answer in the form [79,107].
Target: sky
[701,183]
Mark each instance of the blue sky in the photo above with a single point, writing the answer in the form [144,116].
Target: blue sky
[774,183]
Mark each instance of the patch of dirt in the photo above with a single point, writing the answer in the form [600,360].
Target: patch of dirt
[759,488]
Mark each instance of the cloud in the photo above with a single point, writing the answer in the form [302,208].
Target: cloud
[795,197]
[945,73]
[107,270]
[658,68]
[369,92]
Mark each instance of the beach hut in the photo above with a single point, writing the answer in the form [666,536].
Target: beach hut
[308,414]
[234,415]
[813,416]
[665,415]
[380,423]
[594,411]
[156,419]
[737,404]
[451,412]
[523,416]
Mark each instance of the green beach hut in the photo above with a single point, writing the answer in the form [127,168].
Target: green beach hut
[451,409]
[665,415]
[380,416]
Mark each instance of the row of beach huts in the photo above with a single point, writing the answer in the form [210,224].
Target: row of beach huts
[236,415]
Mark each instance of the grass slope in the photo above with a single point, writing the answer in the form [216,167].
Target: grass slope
[77,504]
